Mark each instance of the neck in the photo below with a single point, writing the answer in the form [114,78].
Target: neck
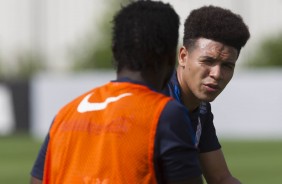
[190,102]
[133,75]
[153,82]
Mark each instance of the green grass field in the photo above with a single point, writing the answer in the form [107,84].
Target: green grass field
[254,162]
[17,154]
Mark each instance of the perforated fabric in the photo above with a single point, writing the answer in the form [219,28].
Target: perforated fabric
[105,136]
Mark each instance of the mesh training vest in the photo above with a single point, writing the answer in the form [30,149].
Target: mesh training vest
[105,136]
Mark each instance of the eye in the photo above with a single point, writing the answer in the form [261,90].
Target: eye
[229,66]
[208,61]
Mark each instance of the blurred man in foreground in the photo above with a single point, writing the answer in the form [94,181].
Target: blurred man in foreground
[117,133]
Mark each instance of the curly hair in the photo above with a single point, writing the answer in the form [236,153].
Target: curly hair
[217,24]
[144,33]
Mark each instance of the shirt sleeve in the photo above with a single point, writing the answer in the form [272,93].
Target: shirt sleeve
[208,141]
[176,156]
[38,167]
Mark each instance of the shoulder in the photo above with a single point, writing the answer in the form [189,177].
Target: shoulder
[175,121]
[174,109]
[175,148]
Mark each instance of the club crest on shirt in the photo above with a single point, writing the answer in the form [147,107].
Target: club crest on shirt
[203,108]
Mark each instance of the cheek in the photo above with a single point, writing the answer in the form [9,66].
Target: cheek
[194,76]
[189,74]
[228,75]
[201,72]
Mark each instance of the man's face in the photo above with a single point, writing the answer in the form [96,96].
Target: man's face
[206,69]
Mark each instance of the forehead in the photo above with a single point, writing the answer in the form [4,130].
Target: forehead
[211,48]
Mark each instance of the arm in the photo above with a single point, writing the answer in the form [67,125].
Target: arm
[34,180]
[38,167]
[215,169]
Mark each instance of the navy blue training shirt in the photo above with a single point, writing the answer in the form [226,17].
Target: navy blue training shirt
[202,119]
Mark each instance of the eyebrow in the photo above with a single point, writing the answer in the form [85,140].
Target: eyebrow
[212,58]
[207,57]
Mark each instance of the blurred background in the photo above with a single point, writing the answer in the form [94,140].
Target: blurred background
[52,51]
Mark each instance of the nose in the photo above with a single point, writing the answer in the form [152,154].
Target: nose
[215,72]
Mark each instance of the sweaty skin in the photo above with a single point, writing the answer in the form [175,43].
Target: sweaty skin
[204,71]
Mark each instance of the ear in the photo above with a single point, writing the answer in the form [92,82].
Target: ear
[182,56]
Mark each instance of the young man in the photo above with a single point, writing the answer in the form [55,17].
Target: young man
[118,132]
[213,38]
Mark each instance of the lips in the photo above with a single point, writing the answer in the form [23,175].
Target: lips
[212,87]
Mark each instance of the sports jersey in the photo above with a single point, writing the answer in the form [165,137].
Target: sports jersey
[202,119]
[169,154]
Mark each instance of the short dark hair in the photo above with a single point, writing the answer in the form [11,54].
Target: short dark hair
[217,24]
[144,32]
